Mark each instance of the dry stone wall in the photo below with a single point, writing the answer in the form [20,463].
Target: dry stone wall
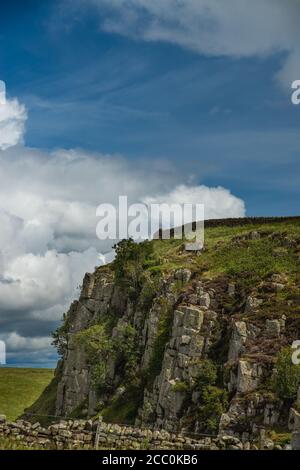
[85,434]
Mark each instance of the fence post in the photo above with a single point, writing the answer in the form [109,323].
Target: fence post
[98,433]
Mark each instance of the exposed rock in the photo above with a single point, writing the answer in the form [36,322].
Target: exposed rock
[271,415]
[185,346]
[273,328]
[237,341]
[183,275]
[294,420]
[204,300]
[248,377]
[252,303]
[179,318]
[279,278]
[194,247]
[231,289]
[267,444]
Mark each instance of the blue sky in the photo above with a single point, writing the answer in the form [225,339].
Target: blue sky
[133,97]
[226,119]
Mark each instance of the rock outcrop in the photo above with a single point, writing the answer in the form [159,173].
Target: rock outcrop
[184,352]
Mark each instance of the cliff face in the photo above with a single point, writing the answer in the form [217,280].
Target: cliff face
[197,344]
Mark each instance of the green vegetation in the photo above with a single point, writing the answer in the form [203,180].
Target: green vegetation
[19,388]
[124,408]
[214,400]
[286,379]
[248,260]
[231,254]
[281,438]
[60,336]
[255,260]
[181,387]
[100,347]
[162,337]
[130,263]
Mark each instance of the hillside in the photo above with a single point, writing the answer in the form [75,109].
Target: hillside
[19,388]
[180,341]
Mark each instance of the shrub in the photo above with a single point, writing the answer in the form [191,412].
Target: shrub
[207,374]
[129,264]
[213,403]
[162,337]
[286,378]
[181,387]
[213,400]
[98,347]
[125,349]
[60,336]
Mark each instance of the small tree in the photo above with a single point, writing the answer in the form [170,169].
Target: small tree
[286,378]
[129,262]
[98,348]
[213,400]
[207,374]
[60,336]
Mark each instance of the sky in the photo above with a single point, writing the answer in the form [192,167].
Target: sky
[166,100]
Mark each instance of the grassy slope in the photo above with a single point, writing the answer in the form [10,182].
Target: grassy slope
[19,388]
[222,257]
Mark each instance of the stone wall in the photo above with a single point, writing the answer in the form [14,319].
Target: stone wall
[83,434]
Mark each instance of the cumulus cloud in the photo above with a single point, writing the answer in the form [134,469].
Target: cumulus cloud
[12,120]
[235,28]
[48,203]
[218,202]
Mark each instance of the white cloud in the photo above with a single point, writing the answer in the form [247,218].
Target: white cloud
[218,202]
[12,122]
[16,342]
[235,28]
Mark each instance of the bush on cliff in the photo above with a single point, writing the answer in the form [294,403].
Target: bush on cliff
[213,400]
[286,378]
[100,347]
[129,265]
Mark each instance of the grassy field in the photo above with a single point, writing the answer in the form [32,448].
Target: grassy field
[19,388]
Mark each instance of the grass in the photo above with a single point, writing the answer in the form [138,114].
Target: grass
[19,388]
[123,409]
[257,257]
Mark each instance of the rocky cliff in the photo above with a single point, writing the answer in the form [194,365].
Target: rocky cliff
[171,340]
